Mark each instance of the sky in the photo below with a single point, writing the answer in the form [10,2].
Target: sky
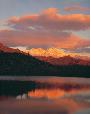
[63,24]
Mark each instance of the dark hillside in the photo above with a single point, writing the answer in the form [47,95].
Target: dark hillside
[20,64]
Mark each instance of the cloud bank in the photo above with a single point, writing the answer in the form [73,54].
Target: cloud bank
[76,8]
[50,19]
[48,28]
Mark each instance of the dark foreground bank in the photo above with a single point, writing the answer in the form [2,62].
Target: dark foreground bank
[20,64]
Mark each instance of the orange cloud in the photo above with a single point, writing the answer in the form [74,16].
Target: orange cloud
[40,39]
[50,19]
[50,11]
[47,29]
[76,8]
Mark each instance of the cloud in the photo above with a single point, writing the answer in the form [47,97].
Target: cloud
[76,8]
[50,19]
[32,38]
[82,50]
[47,29]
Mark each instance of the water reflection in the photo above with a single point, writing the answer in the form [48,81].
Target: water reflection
[53,94]
[36,97]
[23,96]
[45,93]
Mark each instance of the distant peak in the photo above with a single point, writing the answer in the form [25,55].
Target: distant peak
[54,52]
[37,51]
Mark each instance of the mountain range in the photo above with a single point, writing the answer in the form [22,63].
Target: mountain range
[53,56]
[15,62]
[56,56]
[65,60]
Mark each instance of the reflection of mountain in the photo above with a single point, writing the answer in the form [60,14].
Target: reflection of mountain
[35,89]
[14,88]
[57,93]
[46,93]
[15,62]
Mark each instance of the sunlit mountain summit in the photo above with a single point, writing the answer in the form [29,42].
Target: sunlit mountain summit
[49,52]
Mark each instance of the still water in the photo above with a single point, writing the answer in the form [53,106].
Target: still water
[44,95]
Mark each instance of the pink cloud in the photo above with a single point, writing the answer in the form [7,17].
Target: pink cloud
[50,19]
[76,8]
[46,29]
[39,39]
